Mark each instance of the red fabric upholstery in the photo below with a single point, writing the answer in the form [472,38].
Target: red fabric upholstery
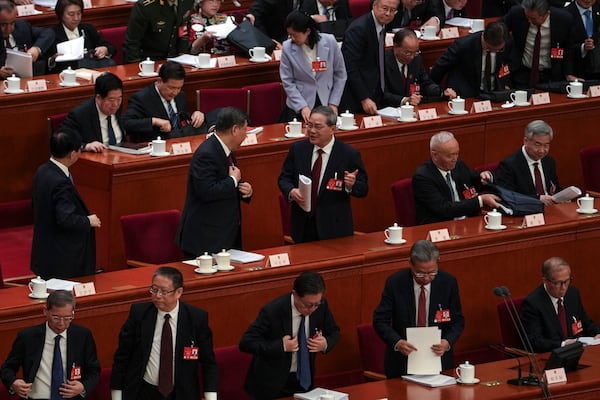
[4,394]
[102,390]
[16,213]
[15,248]
[285,209]
[359,7]
[590,165]
[116,37]
[210,99]
[265,103]
[510,337]
[55,121]
[492,167]
[233,367]
[473,8]
[372,349]
[404,202]
[150,237]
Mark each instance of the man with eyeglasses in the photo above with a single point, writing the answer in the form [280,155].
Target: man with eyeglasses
[285,338]
[337,173]
[58,359]
[553,314]
[478,63]
[531,170]
[406,81]
[419,296]
[414,14]
[161,346]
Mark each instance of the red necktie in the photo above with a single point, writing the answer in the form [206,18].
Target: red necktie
[422,311]
[315,175]
[539,186]
[562,318]
[535,60]
[165,371]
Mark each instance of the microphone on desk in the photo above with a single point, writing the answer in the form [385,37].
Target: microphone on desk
[536,377]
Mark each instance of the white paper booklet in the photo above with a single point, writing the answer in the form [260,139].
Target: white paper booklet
[424,361]
[390,112]
[316,393]
[459,21]
[431,380]
[567,194]
[71,50]
[305,187]
[60,284]
[244,256]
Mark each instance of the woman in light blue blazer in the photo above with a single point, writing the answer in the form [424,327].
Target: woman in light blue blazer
[312,68]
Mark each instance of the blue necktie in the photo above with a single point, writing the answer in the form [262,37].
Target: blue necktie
[303,367]
[589,25]
[172,116]
[57,371]
[112,139]
[449,183]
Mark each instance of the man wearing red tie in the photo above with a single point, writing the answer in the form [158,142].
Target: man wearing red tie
[419,296]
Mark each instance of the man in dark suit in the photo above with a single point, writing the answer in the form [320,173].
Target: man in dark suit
[553,314]
[363,50]
[161,346]
[337,172]
[333,16]
[586,27]
[269,16]
[445,188]
[479,62]
[530,170]
[98,119]
[21,35]
[554,26]
[211,219]
[404,304]
[39,352]
[161,109]
[406,81]
[285,337]
[415,14]
[64,240]
[452,9]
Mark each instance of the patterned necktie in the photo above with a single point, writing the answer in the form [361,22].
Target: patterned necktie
[112,139]
[58,376]
[172,116]
[589,24]
[449,183]
[534,76]
[329,12]
[7,43]
[487,75]
[539,186]
[562,318]
[422,311]
[303,365]
[450,14]
[165,371]
[315,175]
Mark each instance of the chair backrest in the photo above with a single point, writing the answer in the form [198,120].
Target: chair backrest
[359,7]
[233,367]
[55,121]
[404,202]
[265,103]
[372,349]
[102,389]
[510,337]
[590,166]
[285,208]
[116,37]
[210,99]
[16,213]
[492,167]
[150,237]
[474,8]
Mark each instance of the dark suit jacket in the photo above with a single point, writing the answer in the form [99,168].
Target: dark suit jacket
[26,353]
[270,366]
[398,87]
[396,312]
[457,13]
[27,36]
[433,201]
[514,174]
[145,104]
[64,243]
[342,12]
[135,345]
[418,15]
[560,36]
[334,212]
[211,219]
[85,120]
[270,17]
[92,39]
[541,322]
[461,62]
[574,63]
[361,55]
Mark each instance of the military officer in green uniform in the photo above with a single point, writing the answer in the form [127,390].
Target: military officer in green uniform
[157,29]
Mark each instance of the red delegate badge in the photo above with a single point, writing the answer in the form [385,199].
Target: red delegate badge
[442,316]
[319,65]
[75,372]
[190,353]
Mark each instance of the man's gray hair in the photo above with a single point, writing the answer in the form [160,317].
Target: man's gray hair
[538,127]
[541,6]
[424,251]
[440,138]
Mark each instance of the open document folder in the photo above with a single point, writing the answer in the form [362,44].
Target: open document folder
[70,50]
[424,361]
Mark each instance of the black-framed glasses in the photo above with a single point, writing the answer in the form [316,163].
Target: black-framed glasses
[310,306]
[160,292]
[423,275]
[58,318]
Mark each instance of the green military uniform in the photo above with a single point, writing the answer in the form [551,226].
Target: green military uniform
[153,30]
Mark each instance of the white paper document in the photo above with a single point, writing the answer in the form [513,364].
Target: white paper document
[431,380]
[20,62]
[588,341]
[567,194]
[390,112]
[222,30]
[60,284]
[424,361]
[316,394]
[70,50]
[305,187]
[459,21]
[244,256]
[45,3]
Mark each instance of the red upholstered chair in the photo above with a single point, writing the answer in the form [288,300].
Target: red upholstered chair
[149,238]
[404,202]
[492,167]
[102,389]
[590,166]
[474,7]
[4,394]
[233,367]
[372,352]
[359,7]
[510,337]
[55,121]
[116,37]
[285,208]
[265,103]
[210,99]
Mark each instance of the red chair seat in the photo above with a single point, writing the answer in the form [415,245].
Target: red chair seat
[404,202]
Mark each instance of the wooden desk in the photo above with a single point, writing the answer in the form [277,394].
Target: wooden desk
[113,184]
[355,269]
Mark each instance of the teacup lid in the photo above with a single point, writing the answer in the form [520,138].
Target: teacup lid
[395,226]
[223,253]
[38,280]
[205,256]
[158,139]
[295,121]
[466,363]
[494,212]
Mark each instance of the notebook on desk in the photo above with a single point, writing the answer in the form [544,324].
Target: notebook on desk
[20,62]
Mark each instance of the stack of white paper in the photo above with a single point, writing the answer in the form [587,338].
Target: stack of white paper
[244,256]
[70,50]
[424,361]
[305,187]
[316,394]
[459,21]
[390,112]
[567,194]
[431,380]
[60,284]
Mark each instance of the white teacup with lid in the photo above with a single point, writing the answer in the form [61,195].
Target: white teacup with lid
[68,77]
[575,89]
[223,260]
[12,83]
[37,287]
[294,128]
[457,105]
[493,219]
[393,234]
[347,120]
[159,147]
[586,203]
[466,372]
[205,263]
[146,66]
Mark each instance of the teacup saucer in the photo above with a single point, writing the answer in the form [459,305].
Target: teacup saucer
[475,381]
[256,60]
[472,31]
[581,96]
[350,128]
[395,243]
[294,135]
[592,211]
[65,84]
[147,75]
[228,268]
[495,228]
[412,119]
[198,271]
[162,154]
[522,104]
[39,298]
[14,91]
[453,112]
[508,105]
[430,38]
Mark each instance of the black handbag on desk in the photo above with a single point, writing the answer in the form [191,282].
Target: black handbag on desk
[246,36]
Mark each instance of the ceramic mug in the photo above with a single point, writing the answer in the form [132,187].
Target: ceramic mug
[12,83]
[407,112]
[146,66]
[67,76]
[257,53]
[294,128]
[457,105]
[347,120]
[519,96]
[429,32]
[205,262]
[493,219]
[586,203]
[159,146]
[393,234]
[37,287]
[575,89]
[223,259]
[466,372]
